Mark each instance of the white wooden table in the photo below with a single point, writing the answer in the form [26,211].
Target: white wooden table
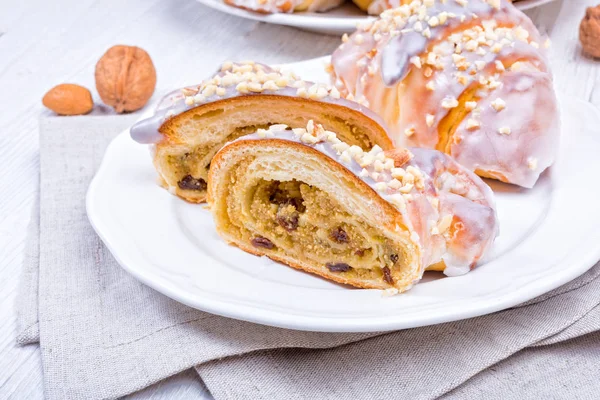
[43,43]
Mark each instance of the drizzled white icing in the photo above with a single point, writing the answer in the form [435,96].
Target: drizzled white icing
[448,210]
[413,65]
[234,80]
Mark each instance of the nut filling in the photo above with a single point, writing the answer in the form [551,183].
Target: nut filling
[292,217]
[190,169]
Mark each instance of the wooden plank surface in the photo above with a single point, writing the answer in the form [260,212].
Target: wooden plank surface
[44,43]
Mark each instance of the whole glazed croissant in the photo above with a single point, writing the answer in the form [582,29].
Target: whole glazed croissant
[466,77]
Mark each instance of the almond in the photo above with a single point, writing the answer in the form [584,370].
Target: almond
[69,99]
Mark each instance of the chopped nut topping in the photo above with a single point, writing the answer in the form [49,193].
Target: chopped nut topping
[248,77]
[416,60]
[499,104]
[532,163]
[381,186]
[473,124]
[444,223]
[449,102]
[505,130]
[429,120]
[395,184]
[398,172]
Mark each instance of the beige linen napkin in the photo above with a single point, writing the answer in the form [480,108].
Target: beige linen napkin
[103,334]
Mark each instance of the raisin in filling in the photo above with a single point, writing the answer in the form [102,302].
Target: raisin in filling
[338,267]
[190,183]
[287,217]
[260,241]
[340,235]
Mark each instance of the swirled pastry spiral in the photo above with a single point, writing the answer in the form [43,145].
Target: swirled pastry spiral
[190,125]
[369,219]
[466,77]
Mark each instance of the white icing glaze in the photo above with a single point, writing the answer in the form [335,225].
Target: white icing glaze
[534,130]
[448,210]
[413,72]
[239,79]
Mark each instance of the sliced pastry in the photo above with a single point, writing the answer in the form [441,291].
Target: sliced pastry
[371,219]
[468,78]
[190,125]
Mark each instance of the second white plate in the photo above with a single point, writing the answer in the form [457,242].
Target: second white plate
[338,21]
[548,236]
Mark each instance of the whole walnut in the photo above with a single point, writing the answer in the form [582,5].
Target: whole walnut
[125,78]
[589,31]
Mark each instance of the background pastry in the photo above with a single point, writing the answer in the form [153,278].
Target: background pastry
[373,7]
[369,219]
[469,78]
[192,124]
[376,7]
[285,6]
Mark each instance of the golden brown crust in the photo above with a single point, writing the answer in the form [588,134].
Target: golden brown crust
[378,134]
[184,132]
[308,268]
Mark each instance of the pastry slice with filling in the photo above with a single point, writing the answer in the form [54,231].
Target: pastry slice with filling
[191,125]
[368,219]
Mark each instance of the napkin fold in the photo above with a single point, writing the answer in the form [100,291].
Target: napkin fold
[103,334]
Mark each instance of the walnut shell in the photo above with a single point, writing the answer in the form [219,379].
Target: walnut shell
[125,78]
[589,31]
[69,99]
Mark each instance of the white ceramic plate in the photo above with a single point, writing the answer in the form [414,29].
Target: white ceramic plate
[340,20]
[549,235]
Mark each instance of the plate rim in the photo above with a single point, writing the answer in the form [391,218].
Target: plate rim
[586,258]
